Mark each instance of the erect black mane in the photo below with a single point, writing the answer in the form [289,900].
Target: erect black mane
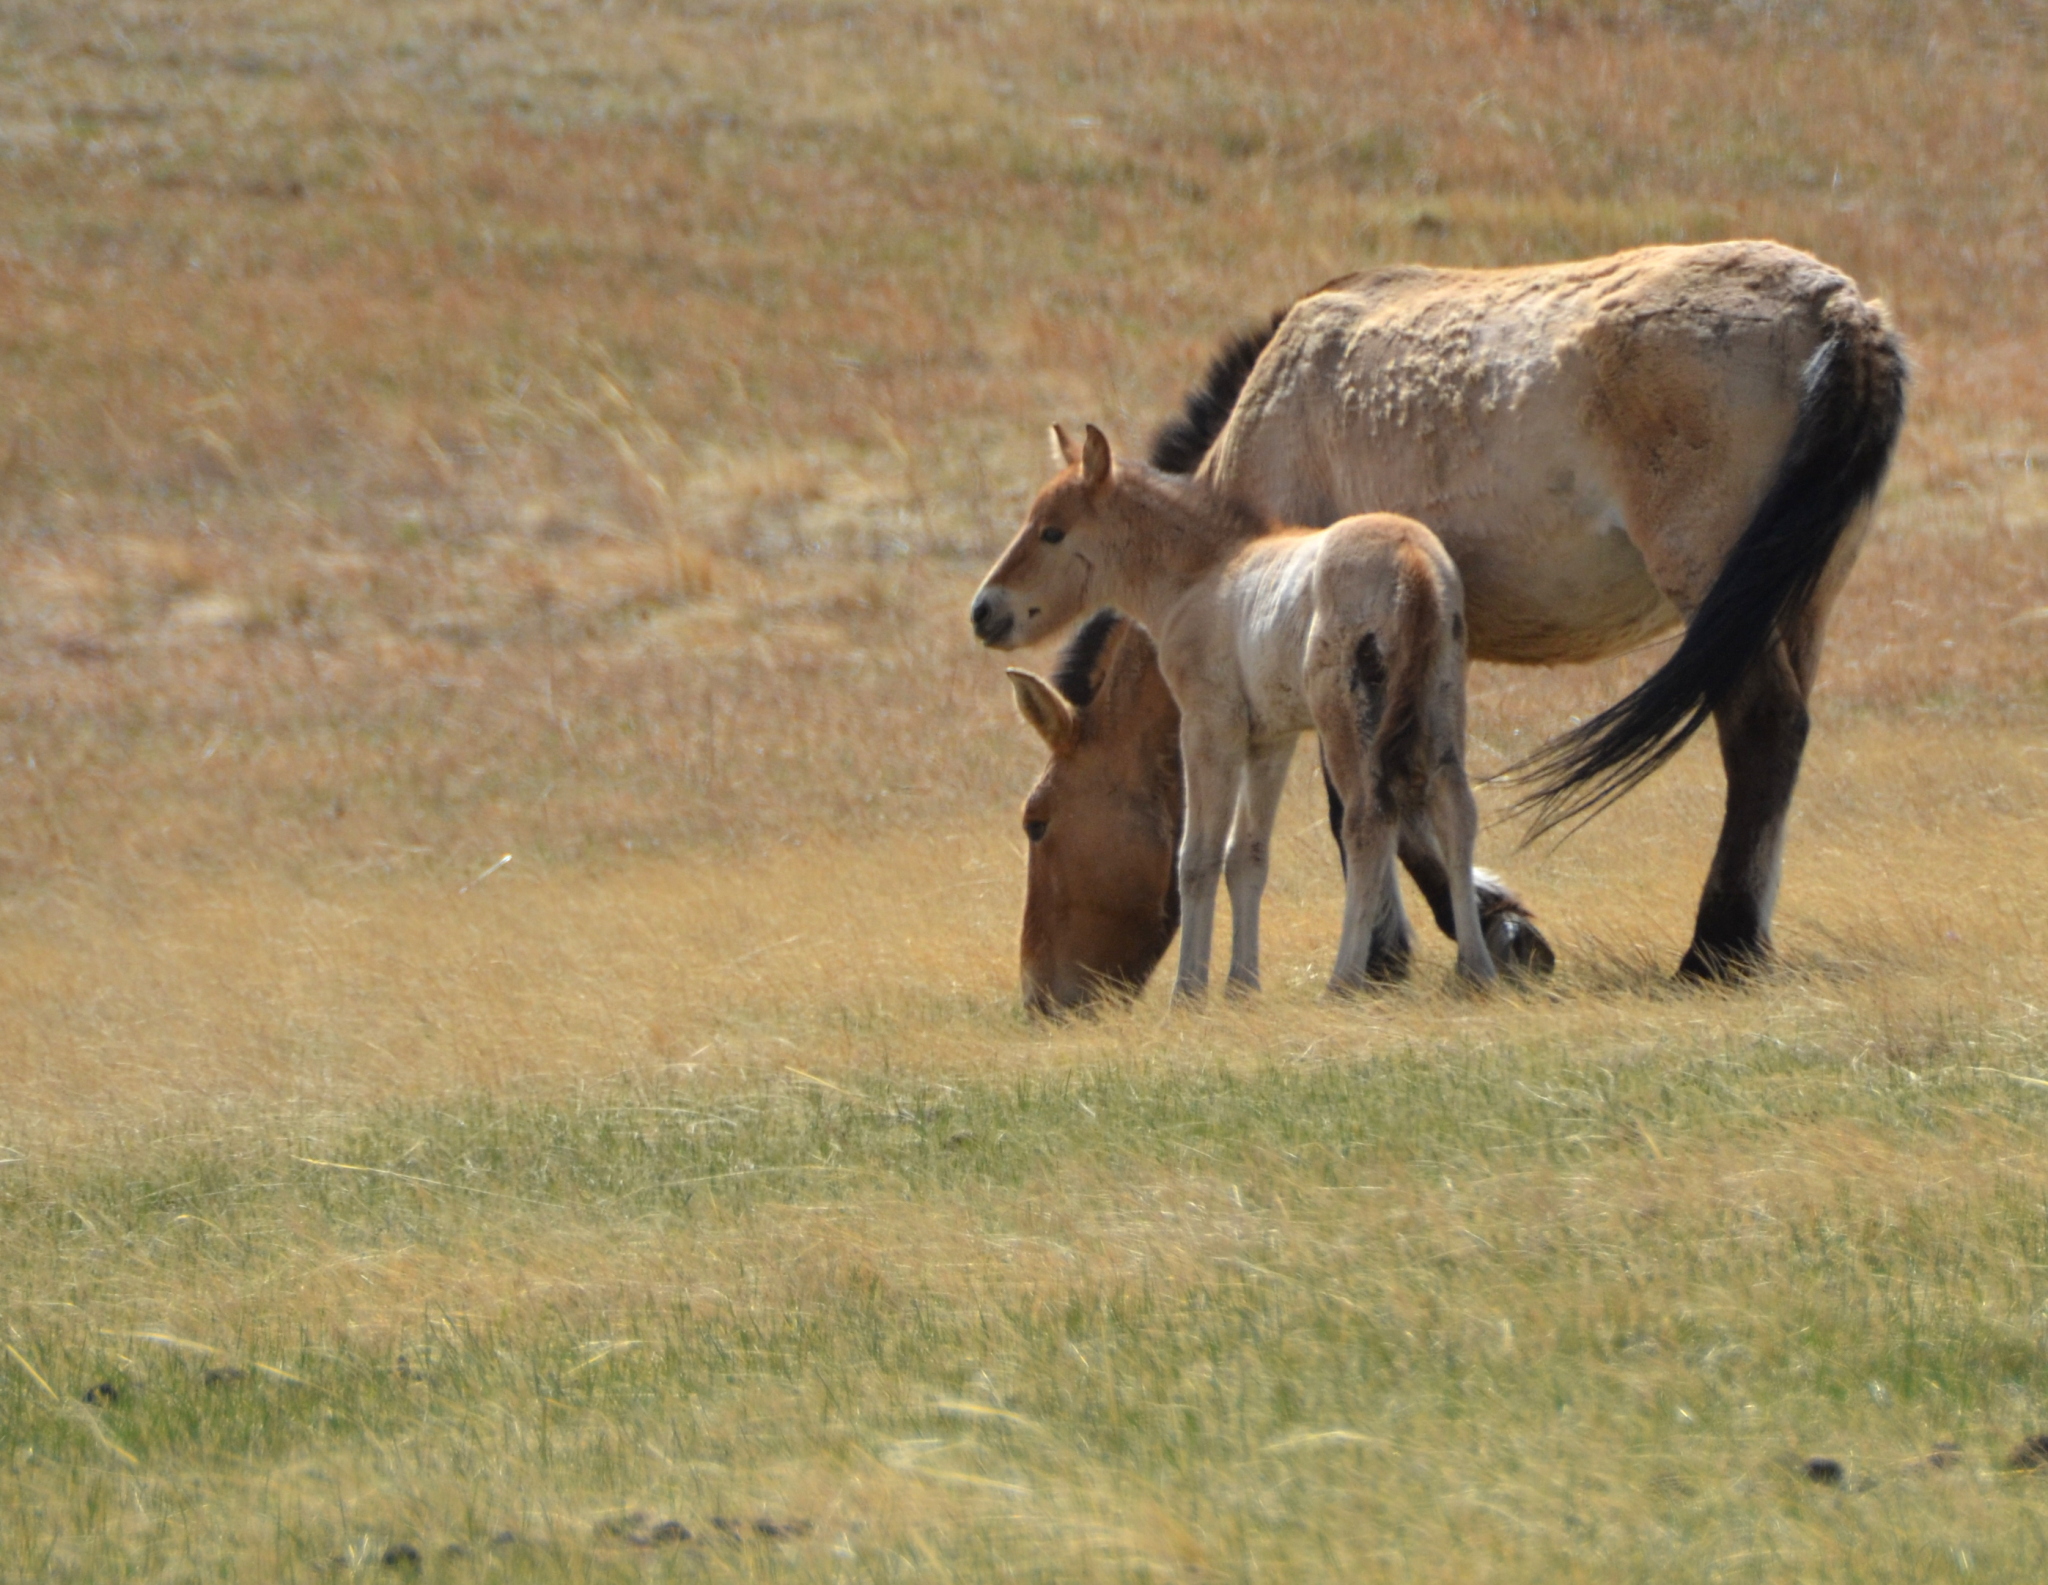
[1075,677]
[1181,445]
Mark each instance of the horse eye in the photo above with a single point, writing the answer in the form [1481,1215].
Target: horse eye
[1052,536]
[1034,829]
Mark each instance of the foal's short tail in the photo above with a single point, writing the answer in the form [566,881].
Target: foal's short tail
[1850,410]
[1400,749]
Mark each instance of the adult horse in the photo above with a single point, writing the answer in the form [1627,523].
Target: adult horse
[1607,449]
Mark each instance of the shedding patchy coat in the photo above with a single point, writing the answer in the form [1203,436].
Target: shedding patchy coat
[1606,448]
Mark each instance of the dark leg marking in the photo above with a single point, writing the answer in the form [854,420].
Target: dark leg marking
[1388,960]
[1369,686]
[1427,870]
[1518,947]
[1336,810]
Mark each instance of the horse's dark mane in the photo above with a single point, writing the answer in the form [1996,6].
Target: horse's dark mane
[1075,677]
[1181,445]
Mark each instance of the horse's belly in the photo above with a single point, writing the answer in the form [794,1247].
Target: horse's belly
[1577,591]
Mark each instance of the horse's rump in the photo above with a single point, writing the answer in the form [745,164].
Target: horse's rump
[1400,749]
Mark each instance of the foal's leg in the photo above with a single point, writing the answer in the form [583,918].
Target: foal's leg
[1454,814]
[1214,768]
[1249,858]
[1518,947]
[1763,733]
[1375,945]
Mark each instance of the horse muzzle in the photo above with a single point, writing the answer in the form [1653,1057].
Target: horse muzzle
[992,618]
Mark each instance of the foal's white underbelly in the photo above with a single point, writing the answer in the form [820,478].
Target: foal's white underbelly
[1269,601]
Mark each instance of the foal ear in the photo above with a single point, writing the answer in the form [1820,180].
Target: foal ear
[1095,461]
[1064,452]
[1040,703]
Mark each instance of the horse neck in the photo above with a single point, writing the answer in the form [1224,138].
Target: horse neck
[1175,532]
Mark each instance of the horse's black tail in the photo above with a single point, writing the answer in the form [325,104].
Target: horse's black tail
[1851,406]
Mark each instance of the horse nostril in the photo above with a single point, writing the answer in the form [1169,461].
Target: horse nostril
[991,622]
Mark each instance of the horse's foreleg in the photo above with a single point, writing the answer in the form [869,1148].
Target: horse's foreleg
[1249,857]
[1763,733]
[1213,770]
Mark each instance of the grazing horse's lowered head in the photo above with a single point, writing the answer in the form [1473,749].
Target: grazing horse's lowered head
[1104,822]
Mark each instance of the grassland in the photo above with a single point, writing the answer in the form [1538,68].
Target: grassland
[442,431]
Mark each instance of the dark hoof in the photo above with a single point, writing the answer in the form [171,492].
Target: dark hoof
[1722,965]
[2030,1454]
[1518,948]
[1388,962]
[1824,1471]
[1381,974]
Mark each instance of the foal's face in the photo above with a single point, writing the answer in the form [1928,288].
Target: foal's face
[1041,583]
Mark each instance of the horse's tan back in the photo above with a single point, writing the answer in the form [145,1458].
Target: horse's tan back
[1650,394]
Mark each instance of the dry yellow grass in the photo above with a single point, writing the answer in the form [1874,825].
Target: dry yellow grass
[441,431]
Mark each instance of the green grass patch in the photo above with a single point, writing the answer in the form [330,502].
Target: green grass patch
[1445,1313]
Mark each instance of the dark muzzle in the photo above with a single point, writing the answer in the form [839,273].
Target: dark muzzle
[992,624]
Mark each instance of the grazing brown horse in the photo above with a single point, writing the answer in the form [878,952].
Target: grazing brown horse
[1101,903]
[1265,632]
[1606,449]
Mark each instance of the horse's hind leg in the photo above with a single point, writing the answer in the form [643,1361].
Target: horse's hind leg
[1520,943]
[1762,727]
[1376,945]
[1249,858]
[1454,814]
[1518,947]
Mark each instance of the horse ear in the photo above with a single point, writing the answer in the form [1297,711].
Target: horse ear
[1095,461]
[1064,452]
[1106,659]
[1039,703]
